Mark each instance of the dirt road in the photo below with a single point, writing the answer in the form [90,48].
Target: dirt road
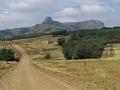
[26,77]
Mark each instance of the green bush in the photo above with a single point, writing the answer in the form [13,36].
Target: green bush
[61,41]
[47,55]
[76,50]
[7,54]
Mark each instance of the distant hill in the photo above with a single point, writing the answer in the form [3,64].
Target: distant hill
[48,26]
[90,24]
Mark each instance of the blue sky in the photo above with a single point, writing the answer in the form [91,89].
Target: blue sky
[22,13]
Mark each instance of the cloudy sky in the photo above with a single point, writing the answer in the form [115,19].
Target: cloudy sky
[22,13]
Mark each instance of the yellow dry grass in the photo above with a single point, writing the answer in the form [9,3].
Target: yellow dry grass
[92,74]
[6,67]
[37,49]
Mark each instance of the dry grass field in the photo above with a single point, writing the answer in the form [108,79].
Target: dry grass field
[91,74]
[6,67]
[94,75]
[37,49]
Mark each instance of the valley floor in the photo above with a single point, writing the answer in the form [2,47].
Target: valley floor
[26,77]
[35,72]
[89,74]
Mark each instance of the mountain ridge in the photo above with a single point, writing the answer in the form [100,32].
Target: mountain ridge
[49,25]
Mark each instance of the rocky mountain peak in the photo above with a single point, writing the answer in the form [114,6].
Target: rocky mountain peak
[48,20]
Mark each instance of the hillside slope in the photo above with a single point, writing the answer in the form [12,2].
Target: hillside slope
[48,25]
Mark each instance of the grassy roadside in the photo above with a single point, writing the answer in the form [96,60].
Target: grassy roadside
[93,75]
[6,67]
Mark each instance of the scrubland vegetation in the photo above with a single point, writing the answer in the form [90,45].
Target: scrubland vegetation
[89,44]
[89,74]
[93,69]
[8,58]
[7,54]
[6,67]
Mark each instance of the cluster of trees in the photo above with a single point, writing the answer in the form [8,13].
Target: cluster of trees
[82,50]
[22,36]
[61,41]
[60,32]
[7,55]
[89,43]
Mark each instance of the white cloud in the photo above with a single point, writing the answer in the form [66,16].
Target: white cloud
[11,17]
[31,5]
[88,1]
[33,11]
[93,9]
[21,11]
[68,11]
[5,16]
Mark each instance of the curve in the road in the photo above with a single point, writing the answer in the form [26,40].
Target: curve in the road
[26,77]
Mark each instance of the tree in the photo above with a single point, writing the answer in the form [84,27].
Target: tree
[61,41]
[82,50]
[47,55]
[7,54]
[89,44]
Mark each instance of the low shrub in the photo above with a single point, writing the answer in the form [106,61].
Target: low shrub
[61,41]
[47,55]
[7,55]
